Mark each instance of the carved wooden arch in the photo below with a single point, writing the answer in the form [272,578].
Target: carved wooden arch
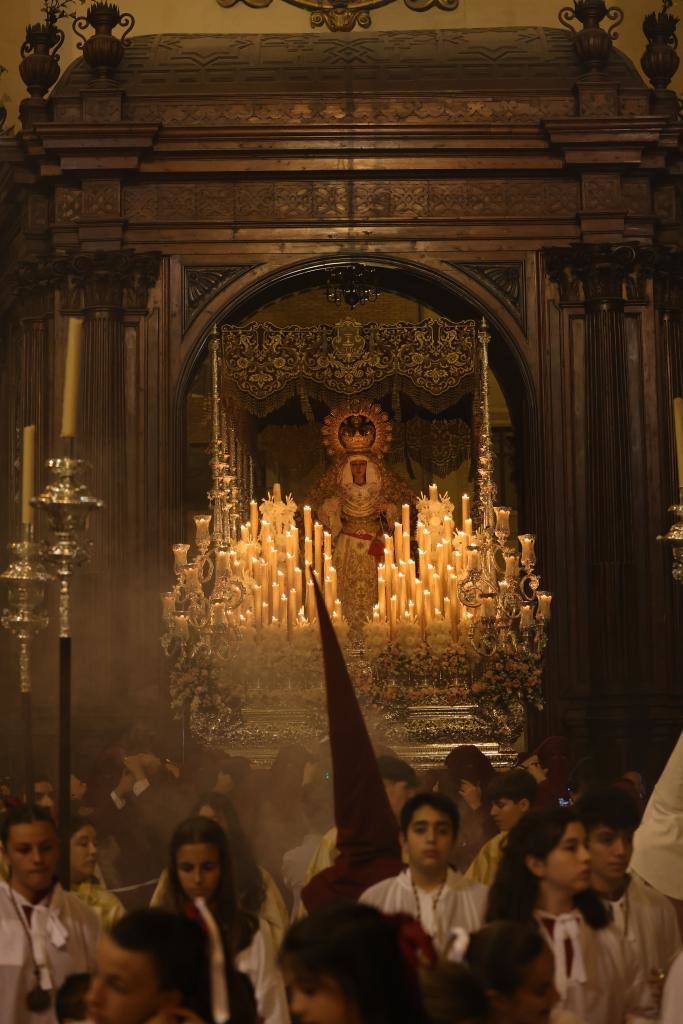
[446,276]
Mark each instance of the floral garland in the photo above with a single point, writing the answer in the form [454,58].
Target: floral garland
[198,693]
[413,670]
[266,671]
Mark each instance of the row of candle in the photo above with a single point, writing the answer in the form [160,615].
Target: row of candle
[428,592]
[280,593]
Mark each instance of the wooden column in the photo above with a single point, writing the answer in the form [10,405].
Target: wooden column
[611,456]
[102,287]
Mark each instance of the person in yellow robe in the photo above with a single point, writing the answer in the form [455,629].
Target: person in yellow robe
[511,795]
[86,881]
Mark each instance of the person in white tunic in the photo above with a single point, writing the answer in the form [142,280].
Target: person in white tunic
[201,886]
[658,842]
[641,915]
[544,876]
[429,890]
[672,1000]
[46,934]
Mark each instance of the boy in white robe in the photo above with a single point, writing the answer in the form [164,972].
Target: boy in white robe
[641,915]
[429,890]
[46,934]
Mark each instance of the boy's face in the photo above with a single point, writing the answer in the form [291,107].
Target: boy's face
[610,851]
[429,841]
[506,812]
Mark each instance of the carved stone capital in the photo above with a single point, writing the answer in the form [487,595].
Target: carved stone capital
[600,274]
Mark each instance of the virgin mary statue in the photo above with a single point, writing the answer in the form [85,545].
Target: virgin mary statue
[358,499]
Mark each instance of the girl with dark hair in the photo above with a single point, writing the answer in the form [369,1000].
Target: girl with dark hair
[515,968]
[544,876]
[201,884]
[351,965]
[257,892]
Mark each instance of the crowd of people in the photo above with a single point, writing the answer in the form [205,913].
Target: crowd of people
[514,898]
[341,886]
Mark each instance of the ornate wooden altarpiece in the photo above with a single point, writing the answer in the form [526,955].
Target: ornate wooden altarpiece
[482,166]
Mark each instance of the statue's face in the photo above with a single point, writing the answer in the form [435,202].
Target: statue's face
[359,471]
[357,432]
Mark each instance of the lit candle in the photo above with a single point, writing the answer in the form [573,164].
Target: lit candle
[277,492]
[526,616]
[201,524]
[298,586]
[192,578]
[398,540]
[544,600]
[222,563]
[275,601]
[182,627]
[72,374]
[180,555]
[418,600]
[327,543]
[290,571]
[253,520]
[422,563]
[678,431]
[467,526]
[511,566]
[433,492]
[448,529]
[244,532]
[527,540]
[406,547]
[258,606]
[284,616]
[310,601]
[333,581]
[489,607]
[168,602]
[465,509]
[318,539]
[382,598]
[308,550]
[401,588]
[328,592]
[502,519]
[427,543]
[392,614]
[405,518]
[427,606]
[28,473]
[388,549]
[473,560]
[291,612]
[437,592]
[308,521]
[266,534]
[217,614]
[337,611]
[411,579]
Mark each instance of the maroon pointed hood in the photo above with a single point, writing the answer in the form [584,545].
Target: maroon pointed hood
[367,830]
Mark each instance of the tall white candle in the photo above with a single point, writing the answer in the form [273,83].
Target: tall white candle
[72,376]
[28,474]
[253,520]
[678,426]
